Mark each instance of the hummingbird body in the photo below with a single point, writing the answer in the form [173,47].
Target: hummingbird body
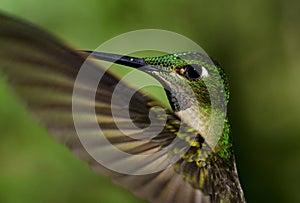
[194,145]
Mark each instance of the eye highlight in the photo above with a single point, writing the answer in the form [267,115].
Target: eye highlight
[195,72]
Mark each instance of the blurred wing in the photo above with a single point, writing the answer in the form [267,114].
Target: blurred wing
[42,71]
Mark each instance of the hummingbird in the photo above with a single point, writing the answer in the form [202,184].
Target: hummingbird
[199,163]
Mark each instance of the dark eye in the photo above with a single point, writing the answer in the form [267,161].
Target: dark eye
[194,72]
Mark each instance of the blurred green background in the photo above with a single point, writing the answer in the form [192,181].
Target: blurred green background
[258,44]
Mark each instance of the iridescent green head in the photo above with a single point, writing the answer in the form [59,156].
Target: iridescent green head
[200,72]
[197,90]
[205,76]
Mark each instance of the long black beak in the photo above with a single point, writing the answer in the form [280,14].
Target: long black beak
[129,61]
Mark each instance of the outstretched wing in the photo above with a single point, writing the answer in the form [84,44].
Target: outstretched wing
[42,72]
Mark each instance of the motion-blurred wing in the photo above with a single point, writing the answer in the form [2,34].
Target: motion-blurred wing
[42,71]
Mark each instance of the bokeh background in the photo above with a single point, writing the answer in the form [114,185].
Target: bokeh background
[258,44]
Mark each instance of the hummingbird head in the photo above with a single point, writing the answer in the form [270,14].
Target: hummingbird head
[204,76]
[196,87]
[179,73]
